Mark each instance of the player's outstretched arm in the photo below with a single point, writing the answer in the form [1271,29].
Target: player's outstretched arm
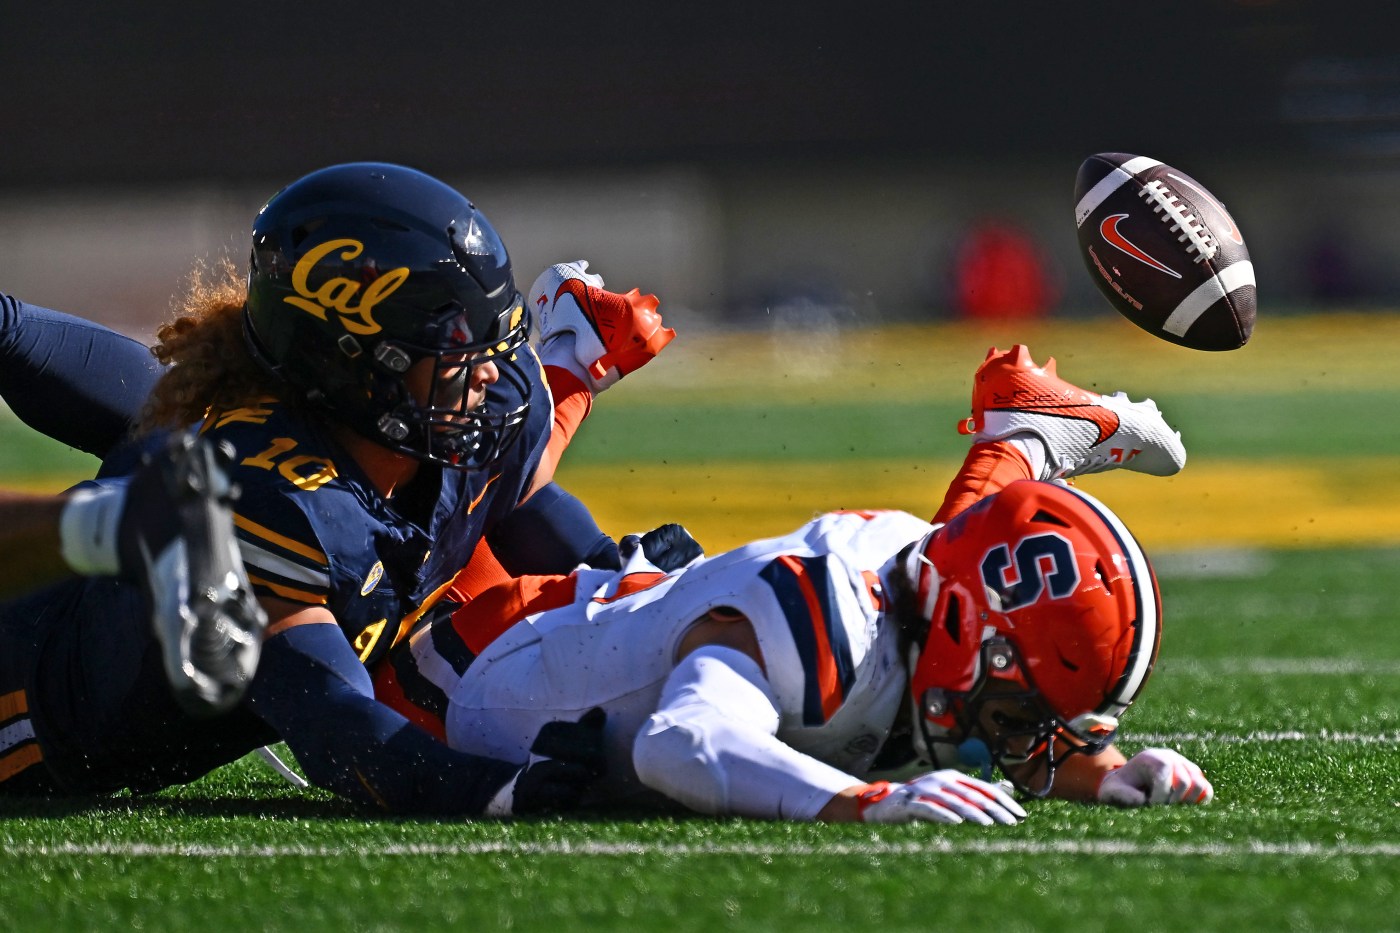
[712,745]
[1077,777]
[597,335]
[313,690]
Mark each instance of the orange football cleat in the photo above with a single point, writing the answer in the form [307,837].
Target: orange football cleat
[1083,432]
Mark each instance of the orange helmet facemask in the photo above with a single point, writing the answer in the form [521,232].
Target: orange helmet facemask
[1038,625]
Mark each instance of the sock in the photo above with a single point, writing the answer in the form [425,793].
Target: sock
[989,468]
[87,529]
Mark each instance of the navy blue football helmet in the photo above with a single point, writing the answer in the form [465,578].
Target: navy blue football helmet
[361,271]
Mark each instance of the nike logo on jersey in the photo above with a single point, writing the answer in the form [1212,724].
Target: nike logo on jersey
[1109,231]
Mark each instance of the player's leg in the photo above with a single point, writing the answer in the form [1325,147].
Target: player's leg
[1030,424]
[598,335]
[22,771]
[589,338]
[73,380]
[30,545]
[482,620]
[170,528]
[1082,432]
[85,709]
[176,536]
[988,469]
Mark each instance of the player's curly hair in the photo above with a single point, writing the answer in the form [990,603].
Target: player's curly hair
[210,368]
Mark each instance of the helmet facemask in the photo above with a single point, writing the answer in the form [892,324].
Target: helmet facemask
[1004,720]
[432,420]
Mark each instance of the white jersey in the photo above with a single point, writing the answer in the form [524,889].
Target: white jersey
[816,601]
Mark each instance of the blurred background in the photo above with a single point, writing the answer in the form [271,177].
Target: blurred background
[748,162]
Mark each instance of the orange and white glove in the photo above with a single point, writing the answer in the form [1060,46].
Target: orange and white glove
[1156,776]
[597,335]
[946,796]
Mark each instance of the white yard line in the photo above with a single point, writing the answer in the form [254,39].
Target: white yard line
[1245,738]
[932,846]
[1277,666]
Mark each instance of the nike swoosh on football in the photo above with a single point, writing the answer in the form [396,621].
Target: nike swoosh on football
[1109,231]
[1104,419]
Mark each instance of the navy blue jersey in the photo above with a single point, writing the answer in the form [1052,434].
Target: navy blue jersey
[82,659]
[313,530]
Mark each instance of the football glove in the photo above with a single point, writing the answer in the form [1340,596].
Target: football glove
[1156,776]
[599,336]
[667,547]
[565,760]
[946,796]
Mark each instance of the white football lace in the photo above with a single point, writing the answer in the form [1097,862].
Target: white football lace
[1175,215]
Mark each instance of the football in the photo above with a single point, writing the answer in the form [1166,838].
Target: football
[1164,251]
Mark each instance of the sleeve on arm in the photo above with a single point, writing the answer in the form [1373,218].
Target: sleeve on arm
[312,689]
[572,403]
[712,744]
[551,532]
[281,548]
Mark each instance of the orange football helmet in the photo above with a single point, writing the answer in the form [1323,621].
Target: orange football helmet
[1038,620]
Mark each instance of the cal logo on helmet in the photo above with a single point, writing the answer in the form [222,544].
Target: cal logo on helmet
[339,293]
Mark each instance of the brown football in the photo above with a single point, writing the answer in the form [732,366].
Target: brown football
[1164,251]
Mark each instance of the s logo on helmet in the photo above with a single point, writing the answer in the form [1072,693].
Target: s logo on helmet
[338,293]
[1040,562]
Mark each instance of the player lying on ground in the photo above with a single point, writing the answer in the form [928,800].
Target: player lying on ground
[386,417]
[783,678]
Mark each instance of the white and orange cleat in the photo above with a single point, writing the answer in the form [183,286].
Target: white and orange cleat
[1083,432]
[599,336]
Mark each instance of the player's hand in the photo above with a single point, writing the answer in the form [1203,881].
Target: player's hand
[946,796]
[667,547]
[599,336]
[565,760]
[1156,776]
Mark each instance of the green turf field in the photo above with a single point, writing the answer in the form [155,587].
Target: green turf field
[1279,553]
